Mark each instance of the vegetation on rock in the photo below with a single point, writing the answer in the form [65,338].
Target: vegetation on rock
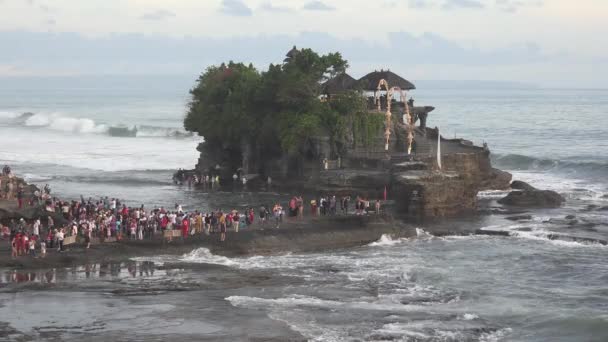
[277,112]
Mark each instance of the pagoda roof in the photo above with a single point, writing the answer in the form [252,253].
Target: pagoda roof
[339,84]
[370,81]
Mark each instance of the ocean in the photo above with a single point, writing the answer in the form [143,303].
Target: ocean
[525,287]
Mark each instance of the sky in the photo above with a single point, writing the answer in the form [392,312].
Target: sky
[553,43]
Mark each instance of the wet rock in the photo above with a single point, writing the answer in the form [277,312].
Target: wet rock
[570,217]
[567,222]
[519,217]
[604,208]
[519,185]
[590,207]
[533,199]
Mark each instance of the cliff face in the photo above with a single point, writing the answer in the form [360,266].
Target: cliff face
[414,182]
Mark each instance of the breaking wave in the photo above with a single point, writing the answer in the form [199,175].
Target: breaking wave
[63,123]
[517,162]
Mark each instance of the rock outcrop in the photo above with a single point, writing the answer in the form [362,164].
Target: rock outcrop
[525,195]
[533,199]
[413,182]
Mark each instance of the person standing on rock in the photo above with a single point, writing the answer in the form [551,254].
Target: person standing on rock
[20,198]
[36,228]
[59,236]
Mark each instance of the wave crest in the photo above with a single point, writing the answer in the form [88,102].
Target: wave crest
[64,123]
[519,162]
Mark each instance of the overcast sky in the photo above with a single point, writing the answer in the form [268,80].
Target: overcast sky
[546,42]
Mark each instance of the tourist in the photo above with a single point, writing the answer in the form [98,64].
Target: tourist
[377,207]
[14,247]
[222,222]
[235,221]
[32,247]
[185,227]
[87,236]
[36,228]
[313,207]
[262,214]
[20,197]
[42,249]
[60,236]
[300,207]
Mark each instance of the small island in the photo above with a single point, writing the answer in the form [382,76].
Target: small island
[306,125]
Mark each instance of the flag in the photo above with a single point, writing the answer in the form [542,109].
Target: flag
[438,149]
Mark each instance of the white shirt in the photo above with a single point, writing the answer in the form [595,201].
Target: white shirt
[37,227]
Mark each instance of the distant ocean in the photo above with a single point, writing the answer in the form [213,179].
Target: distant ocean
[523,288]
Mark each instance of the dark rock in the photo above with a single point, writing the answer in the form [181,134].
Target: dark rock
[496,180]
[570,217]
[605,196]
[604,208]
[519,185]
[519,217]
[533,199]
[590,207]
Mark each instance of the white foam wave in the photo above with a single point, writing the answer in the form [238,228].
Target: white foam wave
[308,301]
[468,317]
[59,122]
[544,236]
[421,233]
[496,336]
[538,233]
[386,240]
[204,256]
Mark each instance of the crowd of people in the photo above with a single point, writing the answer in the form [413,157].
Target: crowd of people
[110,219]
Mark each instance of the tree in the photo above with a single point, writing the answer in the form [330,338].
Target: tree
[234,106]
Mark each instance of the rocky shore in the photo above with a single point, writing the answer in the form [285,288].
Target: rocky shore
[308,235]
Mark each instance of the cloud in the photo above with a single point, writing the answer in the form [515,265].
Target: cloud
[466,4]
[512,6]
[317,6]
[269,7]
[149,53]
[235,8]
[419,4]
[160,14]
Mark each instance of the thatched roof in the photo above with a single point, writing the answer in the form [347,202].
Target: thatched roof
[339,84]
[370,81]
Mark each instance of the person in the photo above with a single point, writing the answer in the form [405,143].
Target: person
[313,207]
[293,211]
[32,247]
[42,249]
[14,243]
[251,217]
[235,221]
[222,227]
[185,227]
[262,215]
[36,228]
[300,207]
[20,198]
[377,207]
[276,210]
[59,236]
[87,236]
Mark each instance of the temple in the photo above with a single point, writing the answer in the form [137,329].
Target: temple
[399,159]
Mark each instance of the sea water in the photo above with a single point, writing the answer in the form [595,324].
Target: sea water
[525,287]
